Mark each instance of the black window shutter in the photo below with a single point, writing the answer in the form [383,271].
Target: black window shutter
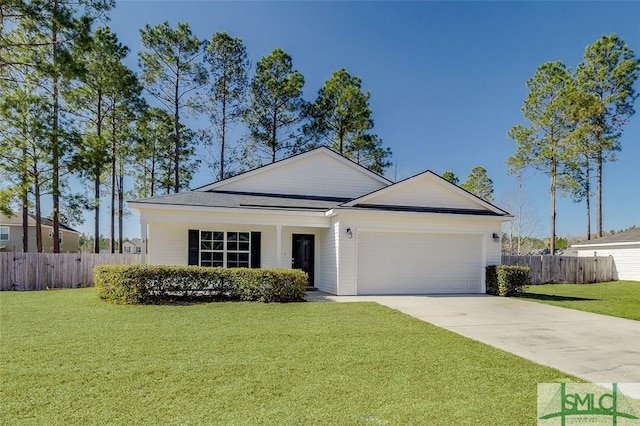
[255,250]
[194,247]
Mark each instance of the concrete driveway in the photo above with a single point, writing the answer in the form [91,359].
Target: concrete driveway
[597,348]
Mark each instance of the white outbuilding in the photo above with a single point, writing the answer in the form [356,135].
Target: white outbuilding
[624,247]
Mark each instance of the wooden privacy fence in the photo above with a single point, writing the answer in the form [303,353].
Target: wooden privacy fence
[41,271]
[566,269]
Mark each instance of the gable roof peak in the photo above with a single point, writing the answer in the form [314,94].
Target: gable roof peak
[428,174]
[297,157]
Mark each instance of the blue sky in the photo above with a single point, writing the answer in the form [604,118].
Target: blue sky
[447,79]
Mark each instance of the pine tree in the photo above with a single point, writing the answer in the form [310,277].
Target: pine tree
[451,177]
[478,183]
[226,97]
[340,118]
[275,109]
[545,143]
[608,72]
[173,73]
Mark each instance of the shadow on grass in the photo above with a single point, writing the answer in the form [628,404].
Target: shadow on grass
[553,297]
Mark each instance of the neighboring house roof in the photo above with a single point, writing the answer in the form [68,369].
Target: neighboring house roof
[628,236]
[16,220]
[48,222]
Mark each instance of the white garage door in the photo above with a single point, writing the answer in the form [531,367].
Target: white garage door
[415,263]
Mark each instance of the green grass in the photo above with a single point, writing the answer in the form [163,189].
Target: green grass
[66,357]
[618,298]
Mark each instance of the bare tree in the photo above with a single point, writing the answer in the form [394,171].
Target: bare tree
[526,222]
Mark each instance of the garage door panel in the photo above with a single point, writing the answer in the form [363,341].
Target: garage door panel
[418,263]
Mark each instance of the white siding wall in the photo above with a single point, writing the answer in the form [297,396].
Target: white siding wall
[425,191]
[168,241]
[494,249]
[347,277]
[408,222]
[327,279]
[627,260]
[319,174]
[335,253]
[168,245]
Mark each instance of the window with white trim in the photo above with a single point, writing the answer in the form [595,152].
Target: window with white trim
[4,233]
[59,234]
[225,249]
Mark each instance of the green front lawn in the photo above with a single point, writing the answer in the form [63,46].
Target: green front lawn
[618,298]
[67,357]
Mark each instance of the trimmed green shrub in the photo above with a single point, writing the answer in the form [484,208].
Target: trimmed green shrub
[491,280]
[158,284]
[512,279]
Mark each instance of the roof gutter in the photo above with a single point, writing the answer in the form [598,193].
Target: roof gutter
[138,207]
[336,210]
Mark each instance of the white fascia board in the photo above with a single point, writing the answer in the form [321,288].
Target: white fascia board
[337,210]
[609,245]
[261,210]
[168,213]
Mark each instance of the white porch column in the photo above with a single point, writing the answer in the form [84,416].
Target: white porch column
[279,246]
[143,235]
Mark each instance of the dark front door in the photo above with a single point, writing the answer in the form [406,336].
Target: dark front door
[303,253]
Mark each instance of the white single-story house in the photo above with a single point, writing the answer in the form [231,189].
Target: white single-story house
[624,247]
[353,231]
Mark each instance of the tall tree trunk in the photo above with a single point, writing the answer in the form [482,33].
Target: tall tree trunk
[599,195]
[96,212]
[36,193]
[55,142]
[112,230]
[25,221]
[274,134]
[96,185]
[588,196]
[153,174]
[25,201]
[552,243]
[176,124]
[223,132]
[120,206]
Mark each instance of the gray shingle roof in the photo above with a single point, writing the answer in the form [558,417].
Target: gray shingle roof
[16,220]
[232,199]
[249,200]
[628,236]
[48,222]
